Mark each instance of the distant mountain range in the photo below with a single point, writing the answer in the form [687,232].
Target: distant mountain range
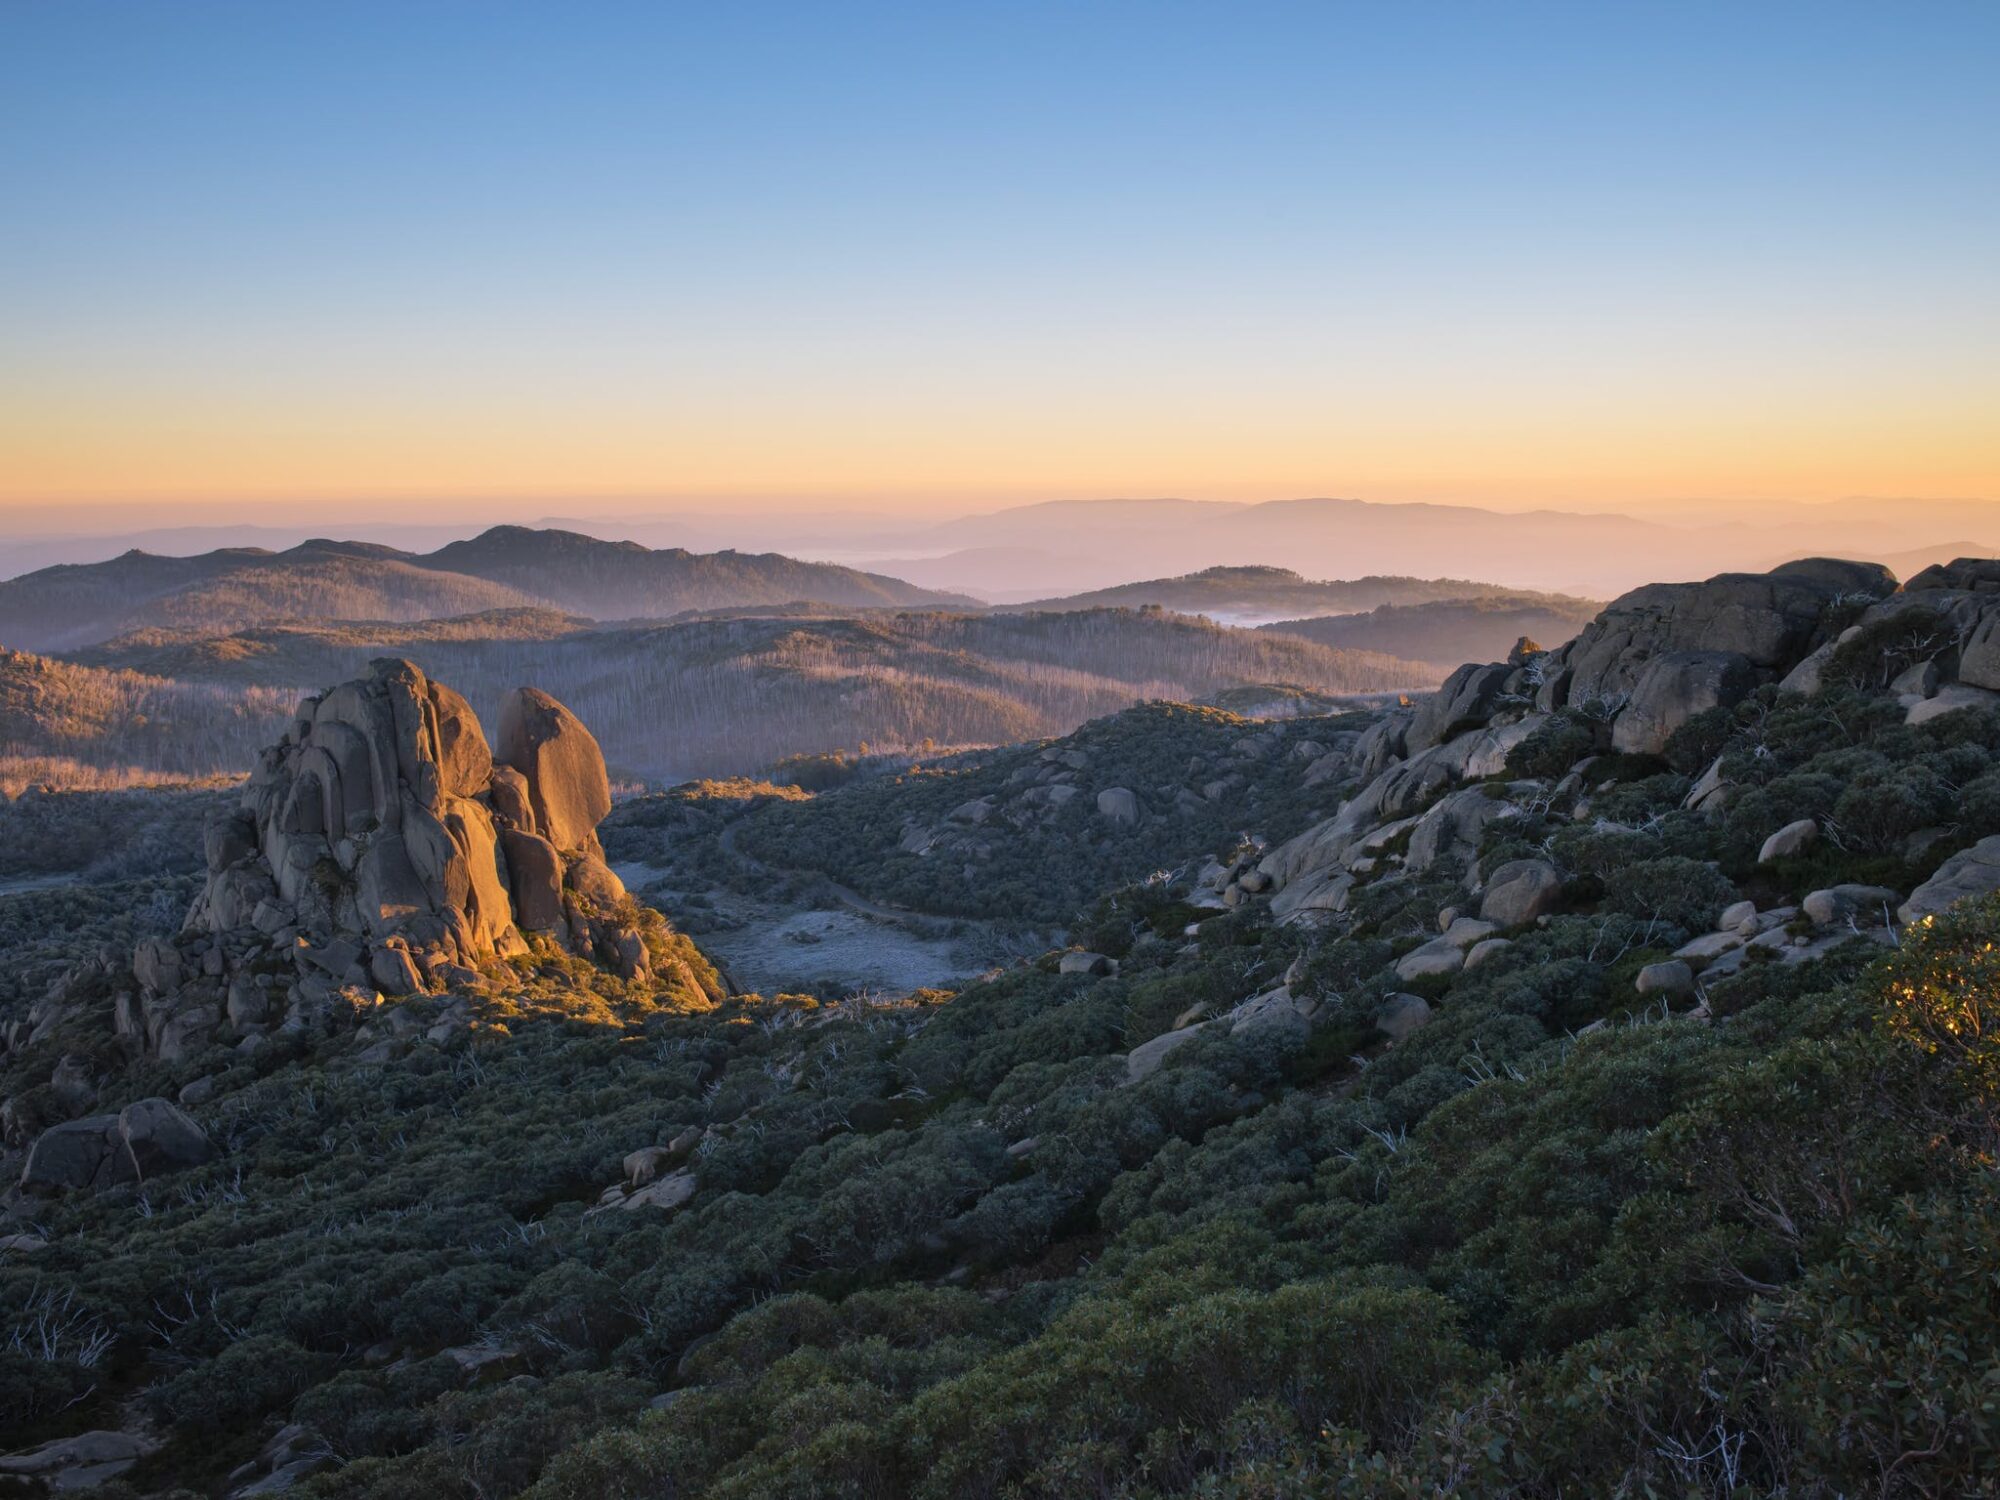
[1035,551]
[507,567]
[1252,595]
[1061,548]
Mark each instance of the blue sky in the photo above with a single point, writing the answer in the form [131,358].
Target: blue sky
[1480,251]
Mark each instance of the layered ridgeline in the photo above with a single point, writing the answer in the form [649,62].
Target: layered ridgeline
[1256,595]
[718,697]
[508,567]
[1599,1099]
[1446,632]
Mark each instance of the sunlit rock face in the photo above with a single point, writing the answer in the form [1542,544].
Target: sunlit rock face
[380,847]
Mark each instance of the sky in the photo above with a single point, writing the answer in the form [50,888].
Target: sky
[436,258]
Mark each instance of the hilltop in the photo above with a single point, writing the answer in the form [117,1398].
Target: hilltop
[1259,594]
[1447,631]
[505,568]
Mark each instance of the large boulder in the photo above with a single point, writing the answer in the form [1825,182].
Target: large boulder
[1143,1061]
[1952,698]
[380,843]
[562,765]
[1771,620]
[1793,838]
[161,1137]
[1970,575]
[1672,688]
[1520,891]
[1119,804]
[1452,829]
[82,1153]
[1467,700]
[1969,873]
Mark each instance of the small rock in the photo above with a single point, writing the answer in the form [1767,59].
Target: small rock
[1737,916]
[198,1092]
[1080,962]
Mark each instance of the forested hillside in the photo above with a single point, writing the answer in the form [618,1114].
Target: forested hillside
[1010,1244]
[1244,594]
[726,696]
[1034,831]
[76,725]
[1446,632]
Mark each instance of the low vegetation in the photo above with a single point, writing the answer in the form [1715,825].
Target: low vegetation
[1566,1238]
[67,725]
[1018,833]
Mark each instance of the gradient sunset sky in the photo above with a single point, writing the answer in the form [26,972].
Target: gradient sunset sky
[1503,253]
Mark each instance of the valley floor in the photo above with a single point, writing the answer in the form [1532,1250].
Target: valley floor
[781,946]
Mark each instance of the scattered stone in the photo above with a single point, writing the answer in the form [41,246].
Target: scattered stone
[1520,891]
[1119,805]
[483,1361]
[1482,952]
[77,1154]
[79,1463]
[1949,699]
[1738,915]
[666,1193]
[1671,689]
[1079,962]
[1840,902]
[1438,956]
[1673,977]
[1710,794]
[162,1137]
[1793,838]
[1145,1060]
[1401,1015]
[1274,1010]
[646,1164]
[561,763]
[1969,873]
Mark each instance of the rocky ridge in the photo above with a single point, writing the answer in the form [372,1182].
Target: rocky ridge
[380,851]
[381,848]
[1421,784]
